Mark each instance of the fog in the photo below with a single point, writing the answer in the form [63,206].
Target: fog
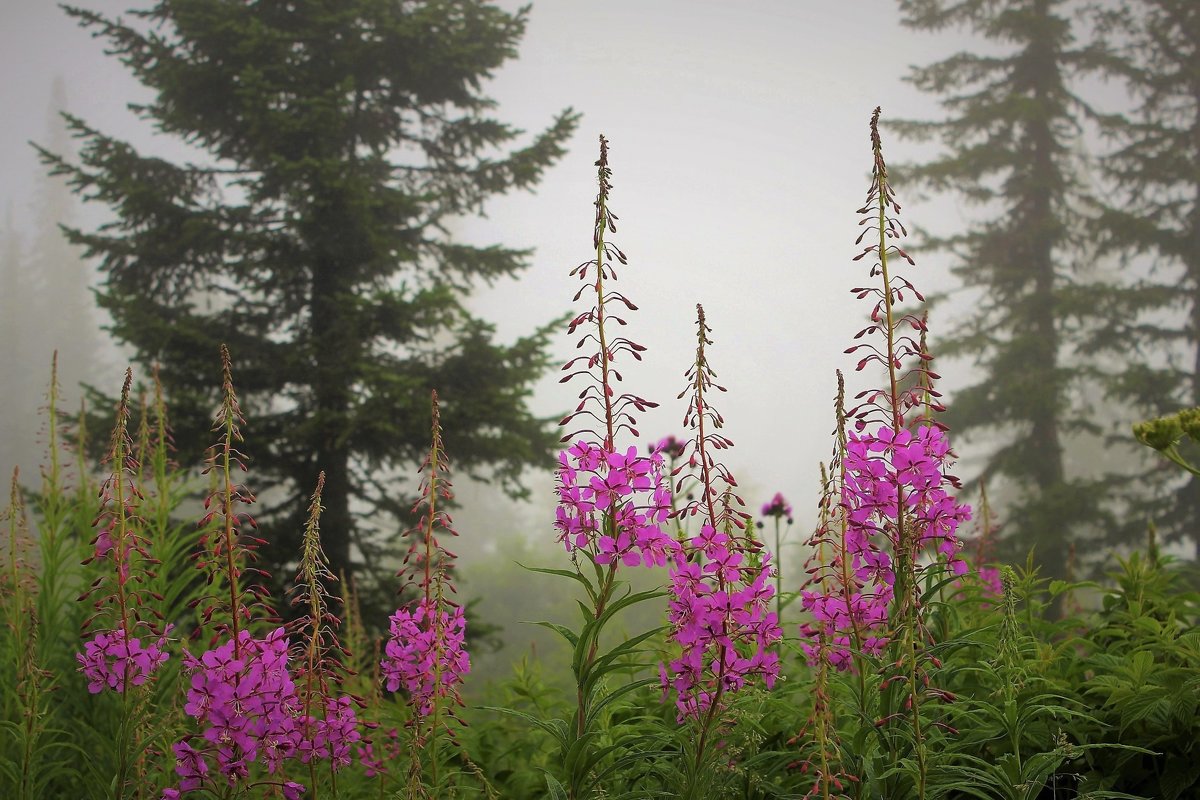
[739,151]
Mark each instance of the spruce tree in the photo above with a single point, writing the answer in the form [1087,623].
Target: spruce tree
[58,307]
[1008,139]
[336,141]
[1151,217]
[45,306]
[16,443]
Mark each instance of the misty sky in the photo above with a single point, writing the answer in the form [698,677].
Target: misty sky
[740,152]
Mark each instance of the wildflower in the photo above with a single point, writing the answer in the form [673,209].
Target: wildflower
[612,502]
[719,606]
[778,507]
[113,661]
[331,736]
[244,699]
[629,489]
[425,653]
[670,446]
[115,658]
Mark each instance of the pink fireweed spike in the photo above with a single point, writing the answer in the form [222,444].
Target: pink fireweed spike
[613,503]
[329,724]
[719,605]
[116,657]
[241,696]
[896,519]
[425,652]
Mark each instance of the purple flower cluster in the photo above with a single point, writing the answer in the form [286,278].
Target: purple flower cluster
[990,578]
[613,505]
[376,763]
[720,612]
[778,507]
[885,471]
[114,661]
[246,700]
[425,653]
[670,446]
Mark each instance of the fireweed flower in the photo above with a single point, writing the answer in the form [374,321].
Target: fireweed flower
[719,606]
[887,512]
[778,507]
[892,483]
[241,694]
[425,652]
[242,697]
[612,503]
[116,658]
[319,671]
[111,661]
[627,491]
[669,446]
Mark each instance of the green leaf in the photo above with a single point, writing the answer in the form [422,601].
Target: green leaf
[566,573]
[562,630]
[557,792]
[557,728]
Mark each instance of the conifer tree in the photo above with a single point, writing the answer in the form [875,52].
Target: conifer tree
[59,309]
[1152,219]
[335,142]
[45,306]
[1008,137]
[15,441]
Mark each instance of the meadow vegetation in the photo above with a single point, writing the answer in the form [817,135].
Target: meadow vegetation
[142,655]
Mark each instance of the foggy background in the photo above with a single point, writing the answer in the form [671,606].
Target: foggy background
[739,154]
[740,151]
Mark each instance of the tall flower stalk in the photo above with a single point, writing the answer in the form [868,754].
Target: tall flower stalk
[328,723]
[843,610]
[241,694]
[612,503]
[721,592]
[425,653]
[115,657]
[27,685]
[778,510]
[900,518]
[228,549]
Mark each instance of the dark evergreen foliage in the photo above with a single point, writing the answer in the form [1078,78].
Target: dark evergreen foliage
[335,139]
[1009,137]
[1152,219]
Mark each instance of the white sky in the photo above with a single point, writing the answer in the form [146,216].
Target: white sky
[740,152]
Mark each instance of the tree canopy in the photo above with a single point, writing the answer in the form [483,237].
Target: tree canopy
[335,141]
[1010,136]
